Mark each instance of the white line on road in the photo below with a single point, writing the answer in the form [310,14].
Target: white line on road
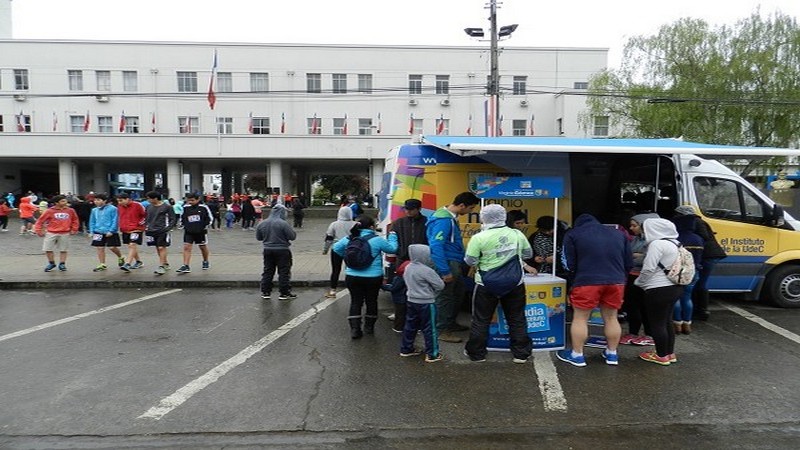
[768,325]
[171,402]
[43,326]
[549,385]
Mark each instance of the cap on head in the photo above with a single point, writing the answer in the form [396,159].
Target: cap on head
[412,203]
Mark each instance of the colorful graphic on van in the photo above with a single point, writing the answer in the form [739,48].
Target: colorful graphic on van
[520,187]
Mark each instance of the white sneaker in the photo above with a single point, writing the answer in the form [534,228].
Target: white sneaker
[390,316]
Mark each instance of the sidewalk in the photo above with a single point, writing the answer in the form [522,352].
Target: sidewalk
[235,262]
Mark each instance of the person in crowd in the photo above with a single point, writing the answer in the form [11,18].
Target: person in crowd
[515,218]
[230,217]
[196,218]
[4,211]
[177,207]
[541,241]
[160,221]
[213,204]
[27,215]
[411,229]
[660,293]
[397,288]
[691,241]
[447,252]
[84,209]
[132,217]
[104,231]
[56,225]
[11,199]
[276,236]
[712,254]
[633,304]
[497,252]
[422,283]
[364,283]
[352,202]
[600,259]
[236,208]
[258,207]
[337,229]
[297,212]
[248,213]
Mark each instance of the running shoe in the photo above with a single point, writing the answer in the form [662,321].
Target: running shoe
[627,339]
[654,358]
[183,269]
[125,267]
[166,266]
[414,352]
[266,295]
[672,358]
[49,267]
[612,359]
[473,358]
[62,267]
[643,341]
[100,268]
[137,265]
[206,265]
[161,270]
[433,359]
[566,356]
[287,296]
[331,294]
[520,360]
[120,261]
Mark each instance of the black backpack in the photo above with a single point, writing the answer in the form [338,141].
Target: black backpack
[358,253]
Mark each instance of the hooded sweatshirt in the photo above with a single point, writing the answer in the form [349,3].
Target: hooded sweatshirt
[131,217]
[341,227]
[377,245]
[104,219]
[422,282]
[687,235]
[444,239]
[410,230]
[275,232]
[639,243]
[596,254]
[57,220]
[160,218]
[26,208]
[662,240]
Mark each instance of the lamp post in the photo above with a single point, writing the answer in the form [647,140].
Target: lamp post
[493,88]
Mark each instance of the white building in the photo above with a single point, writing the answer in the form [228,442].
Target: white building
[287,110]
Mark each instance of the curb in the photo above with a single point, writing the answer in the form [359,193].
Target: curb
[128,284]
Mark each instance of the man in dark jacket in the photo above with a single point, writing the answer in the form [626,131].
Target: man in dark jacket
[276,234]
[196,218]
[599,257]
[410,229]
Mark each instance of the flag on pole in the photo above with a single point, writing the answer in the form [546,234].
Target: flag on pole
[532,125]
[21,122]
[152,122]
[500,126]
[411,124]
[86,122]
[469,126]
[314,125]
[212,97]
[283,123]
[122,122]
[250,124]
[344,128]
[55,121]
[440,125]
[379,123]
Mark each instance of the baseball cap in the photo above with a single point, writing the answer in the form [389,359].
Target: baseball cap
[412,203]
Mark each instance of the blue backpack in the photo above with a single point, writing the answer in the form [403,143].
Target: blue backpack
[358,253]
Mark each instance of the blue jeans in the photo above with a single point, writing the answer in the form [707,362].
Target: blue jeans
[682,311]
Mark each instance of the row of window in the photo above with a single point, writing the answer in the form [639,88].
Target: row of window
[259,82]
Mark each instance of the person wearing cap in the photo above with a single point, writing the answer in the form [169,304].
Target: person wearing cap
[411,229]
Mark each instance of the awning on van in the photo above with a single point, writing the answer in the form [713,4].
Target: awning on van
[480,145]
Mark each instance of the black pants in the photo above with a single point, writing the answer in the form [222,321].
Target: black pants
[660,302]
[282,260]
[4,222]
[483,307]
[363,290]
[336,269]
[248,221]
[298,220]
[634,308]
[215,221]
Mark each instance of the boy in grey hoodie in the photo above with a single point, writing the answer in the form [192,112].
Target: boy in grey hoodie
[276,235]
[423,283]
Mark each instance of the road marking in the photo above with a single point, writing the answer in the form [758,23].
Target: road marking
[768,325]
[171,402]
[549,386]
[44,326]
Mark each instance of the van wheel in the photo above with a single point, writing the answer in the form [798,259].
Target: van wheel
[783,287]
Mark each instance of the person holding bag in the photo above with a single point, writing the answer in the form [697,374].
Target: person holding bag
[497,253]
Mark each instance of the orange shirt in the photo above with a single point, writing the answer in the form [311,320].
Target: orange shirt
[26,210]
[58,220]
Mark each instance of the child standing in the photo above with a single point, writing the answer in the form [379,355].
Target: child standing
[4,210]
[422,283]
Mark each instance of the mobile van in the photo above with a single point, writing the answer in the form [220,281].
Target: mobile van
[611,179]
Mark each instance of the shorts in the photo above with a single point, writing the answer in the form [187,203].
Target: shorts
[134,237]
[158,240]
[28,220]
[590,297]
[101,240]
[55,242]
[195,238]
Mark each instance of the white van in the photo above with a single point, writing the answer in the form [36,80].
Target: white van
[599,176]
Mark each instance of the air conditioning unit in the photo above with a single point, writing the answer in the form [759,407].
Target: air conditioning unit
[523,103]
[445,102]
[412,102]
[102,98]
[20,98]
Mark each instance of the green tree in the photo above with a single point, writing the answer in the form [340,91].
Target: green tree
[344,185]
[732,85]
[255,183]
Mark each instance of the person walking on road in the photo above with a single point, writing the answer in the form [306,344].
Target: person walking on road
[276,235]
[104,231]
[196,218]
[160,221]
[364,280]
[338,229]
[297,212]
[599,258]
[447,252]
[132,218]
[56,225]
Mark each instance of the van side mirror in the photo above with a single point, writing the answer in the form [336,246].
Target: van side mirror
[776,218]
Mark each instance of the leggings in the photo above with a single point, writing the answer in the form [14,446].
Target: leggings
[659,307]
[336,269]
[634,308]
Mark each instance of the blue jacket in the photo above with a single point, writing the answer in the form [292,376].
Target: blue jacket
[378,245]
[104,220]
[596,254]
[444,239]
[686,226]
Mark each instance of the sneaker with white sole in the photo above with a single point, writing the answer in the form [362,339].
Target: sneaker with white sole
[414,352]
[566,356]
[62,267]
[100,268]
[206,265]
[184,269]
[654,358]
[49,267]
[120,261]
[161,270]
[612,359]
[643,341]
[125,268]
[520,360]
[266,295]
[433,359]
[474,359]
[137,265]
[288,296]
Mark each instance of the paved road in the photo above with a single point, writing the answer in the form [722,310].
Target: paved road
[201,368]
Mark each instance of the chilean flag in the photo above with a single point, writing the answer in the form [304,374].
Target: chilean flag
[440,125]
[212,97]
[314,125]
[86,122]
[344,128]
[250,125]
[122,122]
[21,122]
[411,124]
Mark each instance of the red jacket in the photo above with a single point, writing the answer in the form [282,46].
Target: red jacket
[58,220]
[26,208]
[131,217]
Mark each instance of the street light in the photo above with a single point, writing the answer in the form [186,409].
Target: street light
[494,75]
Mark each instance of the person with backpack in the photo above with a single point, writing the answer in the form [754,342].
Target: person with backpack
[691,241]
[338,229]
[660,292]
[361,252]
[276,235]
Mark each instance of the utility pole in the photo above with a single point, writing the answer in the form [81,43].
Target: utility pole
[494,74]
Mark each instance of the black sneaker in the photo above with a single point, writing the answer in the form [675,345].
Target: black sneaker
[288,296]
[184,269]
[266,295]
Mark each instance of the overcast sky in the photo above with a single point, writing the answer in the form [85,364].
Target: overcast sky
[562,23]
